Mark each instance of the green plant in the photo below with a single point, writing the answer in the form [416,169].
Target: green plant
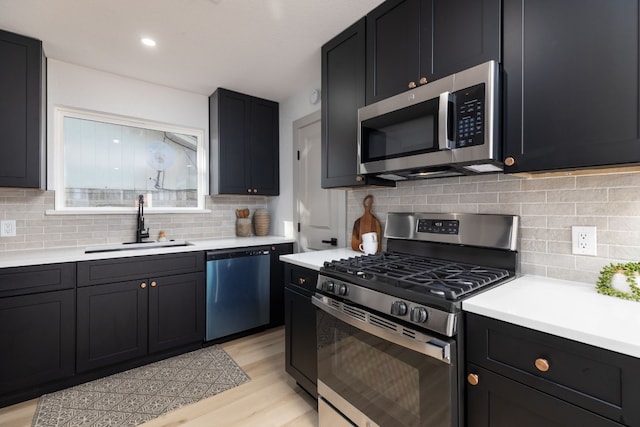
[630,270]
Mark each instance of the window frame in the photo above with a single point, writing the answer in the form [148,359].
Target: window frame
[57,157]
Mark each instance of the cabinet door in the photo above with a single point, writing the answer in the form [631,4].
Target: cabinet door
[263,149]
[465,33]
[38,340]
[497,401]
[301,360]
[112,324]
[176,311]
[276,296]
[21,106]
[343,92]
[571,84]
[394,51]
[234,112]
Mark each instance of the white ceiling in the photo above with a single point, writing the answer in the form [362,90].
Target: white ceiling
[267,48]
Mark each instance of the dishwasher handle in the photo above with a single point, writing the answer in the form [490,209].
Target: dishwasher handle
[235,253]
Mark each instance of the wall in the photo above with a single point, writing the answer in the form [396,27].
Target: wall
[291,110]
[547,206]
[74,86]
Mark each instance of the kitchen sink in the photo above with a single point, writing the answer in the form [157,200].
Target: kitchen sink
[128,246]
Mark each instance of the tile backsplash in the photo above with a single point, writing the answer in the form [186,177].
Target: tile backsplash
[36,230]
[547,205]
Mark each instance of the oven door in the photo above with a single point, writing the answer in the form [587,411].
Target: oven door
[377,372]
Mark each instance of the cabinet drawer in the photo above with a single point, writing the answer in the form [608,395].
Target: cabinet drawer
[38,278]
[593,378]
[122,269]
[301,277]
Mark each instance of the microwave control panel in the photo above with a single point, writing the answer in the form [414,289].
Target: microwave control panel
[469,116]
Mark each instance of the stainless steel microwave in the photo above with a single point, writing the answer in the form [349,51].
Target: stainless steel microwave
[444,128]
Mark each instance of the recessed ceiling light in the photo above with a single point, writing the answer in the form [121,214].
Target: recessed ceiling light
[148,42]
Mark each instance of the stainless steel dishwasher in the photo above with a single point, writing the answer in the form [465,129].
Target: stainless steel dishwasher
[238,286]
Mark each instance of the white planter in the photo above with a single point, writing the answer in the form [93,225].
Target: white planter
[619,282]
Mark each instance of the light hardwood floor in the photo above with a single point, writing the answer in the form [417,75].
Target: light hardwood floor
[270,399]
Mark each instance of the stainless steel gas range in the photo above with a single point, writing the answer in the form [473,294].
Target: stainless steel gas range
[390,333]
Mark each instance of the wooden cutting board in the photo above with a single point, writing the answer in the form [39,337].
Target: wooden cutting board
[365,224]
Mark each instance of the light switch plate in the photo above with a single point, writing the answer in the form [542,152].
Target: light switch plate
[8,228]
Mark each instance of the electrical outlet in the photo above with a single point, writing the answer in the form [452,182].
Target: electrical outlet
[584,240]
[8,228]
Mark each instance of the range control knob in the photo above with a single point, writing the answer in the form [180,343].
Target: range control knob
[419,314]
[342,289]
[329,286]
[399,308]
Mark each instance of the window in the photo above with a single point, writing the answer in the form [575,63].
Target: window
[103,162]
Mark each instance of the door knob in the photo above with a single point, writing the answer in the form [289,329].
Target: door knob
[412,85]
[153,284]
[143,285]
[423,81]
[332,242]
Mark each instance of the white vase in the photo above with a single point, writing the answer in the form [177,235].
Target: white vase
[619,282]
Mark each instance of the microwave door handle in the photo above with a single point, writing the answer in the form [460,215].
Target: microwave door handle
[444,142]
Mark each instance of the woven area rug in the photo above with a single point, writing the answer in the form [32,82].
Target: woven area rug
[141,394]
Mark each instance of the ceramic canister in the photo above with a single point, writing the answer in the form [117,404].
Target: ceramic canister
[261,222]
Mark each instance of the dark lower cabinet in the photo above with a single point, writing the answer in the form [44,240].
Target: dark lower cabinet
[38,342]
[276,294]
[123,321]
[22,104]
[37,324]
[301,360]
[519,376]
[498,401]
[571,86]
[176,311]
[112,324]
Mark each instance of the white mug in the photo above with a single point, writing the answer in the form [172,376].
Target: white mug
[370,237]
[369,247]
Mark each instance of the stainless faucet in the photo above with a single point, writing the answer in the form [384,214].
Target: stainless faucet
[141,233]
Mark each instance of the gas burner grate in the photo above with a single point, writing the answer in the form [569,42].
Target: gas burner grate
[441,278]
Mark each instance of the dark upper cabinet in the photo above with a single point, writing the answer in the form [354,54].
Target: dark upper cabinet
[571,84]
[244,140]
[343,92]
[22,85]
[412,42]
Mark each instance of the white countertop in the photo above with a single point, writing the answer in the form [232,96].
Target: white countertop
[51,256]
[315,260]
[567,309]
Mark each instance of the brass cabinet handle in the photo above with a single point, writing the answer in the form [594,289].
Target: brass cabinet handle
[255,190]
[412,85]
[302,280]
[423,81]
[473,379]
[154,284]
[509,161]
[143,285]
[359,178]
[248,190]
[542,364]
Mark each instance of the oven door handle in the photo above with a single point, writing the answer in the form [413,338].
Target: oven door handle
[422,343]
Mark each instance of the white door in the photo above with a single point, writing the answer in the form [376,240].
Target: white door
[321,214]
